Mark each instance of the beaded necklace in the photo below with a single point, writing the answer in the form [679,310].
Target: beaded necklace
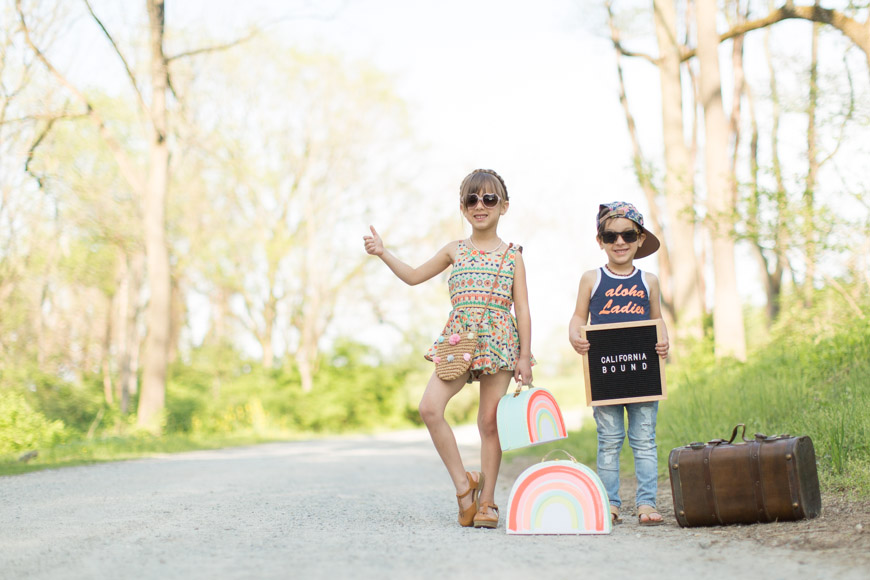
[633,268]
[500,242]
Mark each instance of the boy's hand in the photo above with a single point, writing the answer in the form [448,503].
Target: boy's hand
[373,244]
[662,348]
[580,344]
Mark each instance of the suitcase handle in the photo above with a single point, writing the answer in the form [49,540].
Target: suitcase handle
[716,442]
[520,388]
[742,435]
[557,450]
[759,437]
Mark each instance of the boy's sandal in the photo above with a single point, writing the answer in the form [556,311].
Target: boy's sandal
[648,511]
[466,516]
[614,515]
[484,520]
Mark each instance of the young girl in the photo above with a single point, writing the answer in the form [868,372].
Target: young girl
[623,238]
[503,349]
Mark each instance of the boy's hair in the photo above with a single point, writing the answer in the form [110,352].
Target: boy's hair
[604,218]
[483,180]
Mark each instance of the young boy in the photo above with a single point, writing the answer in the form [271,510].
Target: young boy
[623,238]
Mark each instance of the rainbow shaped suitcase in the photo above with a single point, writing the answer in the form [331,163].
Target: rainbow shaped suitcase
[558,497]
[529,417]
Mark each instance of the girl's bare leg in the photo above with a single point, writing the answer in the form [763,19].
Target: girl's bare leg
[435,398]
[492,388]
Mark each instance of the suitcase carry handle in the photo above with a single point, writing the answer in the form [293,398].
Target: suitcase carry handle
[556,451]
[520,388]
[759,437]
[714,442]
[742,434]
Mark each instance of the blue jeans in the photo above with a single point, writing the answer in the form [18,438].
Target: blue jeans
[642,439]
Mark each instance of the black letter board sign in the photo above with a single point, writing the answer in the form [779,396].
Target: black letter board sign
[622,365]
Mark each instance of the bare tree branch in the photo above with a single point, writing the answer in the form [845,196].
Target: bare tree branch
[849,114]
[127,168]
[857,32]
[130,74]
[43,117]
[32,150]
[216,48]
[255,31]
[849,300]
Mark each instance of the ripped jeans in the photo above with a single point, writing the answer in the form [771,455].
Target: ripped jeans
[610,420]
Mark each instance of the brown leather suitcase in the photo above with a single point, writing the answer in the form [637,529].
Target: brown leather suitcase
[763,479]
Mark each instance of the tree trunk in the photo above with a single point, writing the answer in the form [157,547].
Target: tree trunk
[812,173]
[728,329]
[105,366]
[156,356]
[688,301]
[270,313]
[128,337]
[753,218]
[781,232]
[645,180]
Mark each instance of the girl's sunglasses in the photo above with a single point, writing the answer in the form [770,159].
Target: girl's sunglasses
[489,200]
[629,236]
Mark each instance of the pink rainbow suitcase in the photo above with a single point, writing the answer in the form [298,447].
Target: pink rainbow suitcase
[529,417]
[558,497]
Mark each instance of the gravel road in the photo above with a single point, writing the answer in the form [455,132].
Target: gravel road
[361,507]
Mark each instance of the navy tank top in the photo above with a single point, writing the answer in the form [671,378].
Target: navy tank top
[619,299]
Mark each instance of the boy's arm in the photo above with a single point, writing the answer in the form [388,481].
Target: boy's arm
[407,274]
[655,313]
[523,370]
[581,313]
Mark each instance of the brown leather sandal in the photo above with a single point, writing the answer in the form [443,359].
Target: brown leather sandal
[614,515]
[466,516]
[648,511]
[482,520]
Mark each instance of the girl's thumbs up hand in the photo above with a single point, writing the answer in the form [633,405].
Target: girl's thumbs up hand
[373,243]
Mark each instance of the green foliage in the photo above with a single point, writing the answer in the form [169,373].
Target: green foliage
[216,393]
[24,429]
[796,385]
[76,405]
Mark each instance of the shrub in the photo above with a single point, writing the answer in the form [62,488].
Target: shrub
[215,392]
[22,428]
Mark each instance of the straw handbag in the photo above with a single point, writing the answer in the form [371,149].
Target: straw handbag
[454,352]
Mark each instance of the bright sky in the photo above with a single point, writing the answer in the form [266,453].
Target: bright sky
[528,89]
[524,88]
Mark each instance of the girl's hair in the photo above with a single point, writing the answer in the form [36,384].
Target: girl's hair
[485,180]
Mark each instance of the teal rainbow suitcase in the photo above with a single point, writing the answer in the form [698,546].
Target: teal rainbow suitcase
[529,417]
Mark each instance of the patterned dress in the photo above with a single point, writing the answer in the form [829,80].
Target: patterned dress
[470,283]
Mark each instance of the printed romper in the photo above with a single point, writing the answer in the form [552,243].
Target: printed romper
[470,283]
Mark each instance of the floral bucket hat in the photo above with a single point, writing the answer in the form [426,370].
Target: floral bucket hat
[623,209]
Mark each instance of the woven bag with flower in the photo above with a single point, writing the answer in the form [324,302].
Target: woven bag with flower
[454,352]
[453,355]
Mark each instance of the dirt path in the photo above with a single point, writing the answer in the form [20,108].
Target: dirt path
[364,507]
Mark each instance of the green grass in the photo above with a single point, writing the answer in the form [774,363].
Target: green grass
[796,385]
[130,447]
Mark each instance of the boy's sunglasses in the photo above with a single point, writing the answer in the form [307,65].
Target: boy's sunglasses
[629,236]
[489,200]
